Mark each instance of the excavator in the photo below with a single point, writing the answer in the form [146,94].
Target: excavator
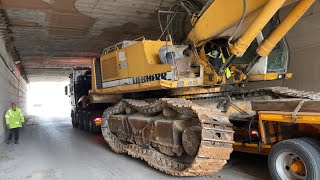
[181,102]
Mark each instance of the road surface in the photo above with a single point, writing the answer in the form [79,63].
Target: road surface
[50,149]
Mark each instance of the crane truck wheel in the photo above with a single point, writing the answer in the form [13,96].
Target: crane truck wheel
[294,159]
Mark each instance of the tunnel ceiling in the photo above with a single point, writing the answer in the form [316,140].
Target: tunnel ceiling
[53,35]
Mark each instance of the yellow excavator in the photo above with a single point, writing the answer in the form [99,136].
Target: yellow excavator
[180,103]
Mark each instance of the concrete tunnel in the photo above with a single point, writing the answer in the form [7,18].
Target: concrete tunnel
[41,40]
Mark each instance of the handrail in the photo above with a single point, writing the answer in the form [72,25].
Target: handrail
[142,38]
[116,46]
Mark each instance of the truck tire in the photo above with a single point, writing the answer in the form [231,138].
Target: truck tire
[76,115]
[294,159]
[73,119]
[85,121]
[81,120]
[90,123]
[311,141]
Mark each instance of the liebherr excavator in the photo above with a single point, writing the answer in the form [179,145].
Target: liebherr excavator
[180,103]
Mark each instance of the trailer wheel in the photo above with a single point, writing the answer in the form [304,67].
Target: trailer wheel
[294,159]
[90,123]
[313,142]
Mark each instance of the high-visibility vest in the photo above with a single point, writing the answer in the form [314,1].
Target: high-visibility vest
[14,119]
[210,54]
[228,72]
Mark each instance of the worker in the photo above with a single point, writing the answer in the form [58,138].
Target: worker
[215,58]
[14,120]
[214,51]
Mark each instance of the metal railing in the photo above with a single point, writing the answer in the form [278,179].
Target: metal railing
[121,45]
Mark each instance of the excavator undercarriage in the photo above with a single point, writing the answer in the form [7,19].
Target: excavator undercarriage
[192,141]
[196,137]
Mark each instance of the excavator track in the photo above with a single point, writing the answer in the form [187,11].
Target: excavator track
[216,137]
[279,92]
[276,92]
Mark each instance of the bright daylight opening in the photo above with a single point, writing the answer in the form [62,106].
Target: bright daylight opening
[48,99]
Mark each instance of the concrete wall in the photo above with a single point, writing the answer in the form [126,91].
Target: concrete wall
[304,43]
[12,89]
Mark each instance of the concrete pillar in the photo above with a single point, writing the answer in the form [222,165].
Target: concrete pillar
[12,88]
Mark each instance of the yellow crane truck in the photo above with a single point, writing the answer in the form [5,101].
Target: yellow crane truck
[180,103]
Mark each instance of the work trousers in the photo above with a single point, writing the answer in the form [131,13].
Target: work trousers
[15,132]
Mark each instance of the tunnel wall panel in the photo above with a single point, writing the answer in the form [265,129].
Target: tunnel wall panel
[304,44]
[12,87]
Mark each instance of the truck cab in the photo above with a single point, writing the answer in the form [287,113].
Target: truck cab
[84,114]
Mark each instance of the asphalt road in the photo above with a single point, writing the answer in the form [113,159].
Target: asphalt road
[50,149]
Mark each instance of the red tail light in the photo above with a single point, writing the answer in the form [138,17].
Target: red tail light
[254,132]
[98,119]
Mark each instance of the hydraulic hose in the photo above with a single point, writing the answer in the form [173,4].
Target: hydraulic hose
[159,18]
[241,20]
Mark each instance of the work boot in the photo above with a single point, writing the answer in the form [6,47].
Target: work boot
[16,142]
